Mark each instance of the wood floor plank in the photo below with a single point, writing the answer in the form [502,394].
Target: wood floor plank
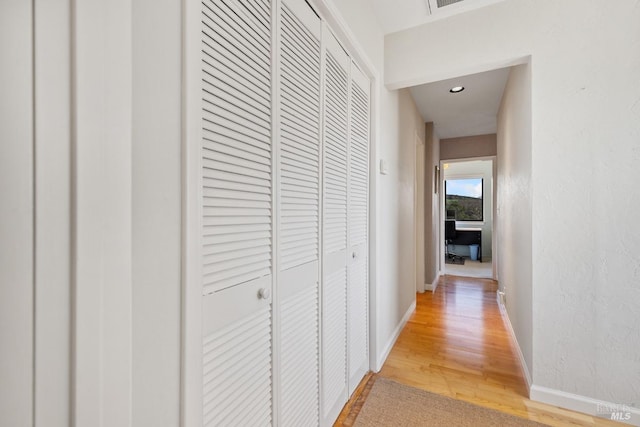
[456,344]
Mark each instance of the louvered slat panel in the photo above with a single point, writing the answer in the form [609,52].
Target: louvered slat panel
[358,319]
[335,159]
[237,193]
[299,142]
[261,10]
[299,214]
[359,167]
[299,358]
[334,337]
[358,227]
[237,185]
[237,373]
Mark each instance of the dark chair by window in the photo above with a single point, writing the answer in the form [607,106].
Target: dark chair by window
[449,235]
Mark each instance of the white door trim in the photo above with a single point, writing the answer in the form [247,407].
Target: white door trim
[418,213]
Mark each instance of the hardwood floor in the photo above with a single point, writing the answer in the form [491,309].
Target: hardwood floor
[456,344]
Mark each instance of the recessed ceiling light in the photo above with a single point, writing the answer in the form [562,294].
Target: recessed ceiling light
[456,89]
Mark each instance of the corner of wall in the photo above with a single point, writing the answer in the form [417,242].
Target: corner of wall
[434,284]
[524,369]
[514,206]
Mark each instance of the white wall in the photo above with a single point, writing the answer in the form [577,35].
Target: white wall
[475,169]
[398,120]
[585,133]
[99,256]
[35,213]
[102,206]
[52,159]
[156,212]
[468,146]
[513,213]
[16,214]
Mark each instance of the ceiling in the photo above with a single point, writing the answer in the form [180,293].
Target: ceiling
[397,15]
[394,15]
[470,112]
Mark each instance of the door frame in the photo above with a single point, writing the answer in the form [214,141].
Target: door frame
[419,212]
[441,200]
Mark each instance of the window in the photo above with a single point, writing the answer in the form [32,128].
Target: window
[464,197]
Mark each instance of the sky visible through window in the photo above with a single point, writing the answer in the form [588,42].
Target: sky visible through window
[465,187]
[464,196]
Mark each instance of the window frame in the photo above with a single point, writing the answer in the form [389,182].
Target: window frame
[465,177]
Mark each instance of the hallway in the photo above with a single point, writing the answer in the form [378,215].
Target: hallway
[456,344]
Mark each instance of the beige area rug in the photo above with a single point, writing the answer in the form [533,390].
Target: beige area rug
[392,404]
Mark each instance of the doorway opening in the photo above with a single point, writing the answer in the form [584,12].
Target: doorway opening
[468,212]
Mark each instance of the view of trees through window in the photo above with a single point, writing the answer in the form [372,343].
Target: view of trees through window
[464,196]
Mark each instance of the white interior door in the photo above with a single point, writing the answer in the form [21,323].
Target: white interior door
[334,289]
[299,214]
[237,188]
[282,206]
[358,288]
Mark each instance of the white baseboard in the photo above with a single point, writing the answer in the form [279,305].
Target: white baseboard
[561,399]
[586,405]
[507,322]
[432,286]
[396,333]
[501,299]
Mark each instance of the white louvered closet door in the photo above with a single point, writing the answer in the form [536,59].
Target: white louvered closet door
[237,212]
[334,284]
[299,218]
[358,290]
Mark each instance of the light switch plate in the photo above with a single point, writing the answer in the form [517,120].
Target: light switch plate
[384,168]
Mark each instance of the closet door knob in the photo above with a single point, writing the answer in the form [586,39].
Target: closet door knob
[264,293]
[354,255]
